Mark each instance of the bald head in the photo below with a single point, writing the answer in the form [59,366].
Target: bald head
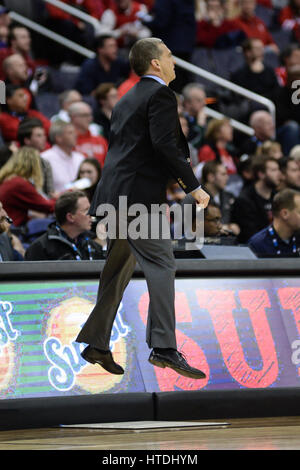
[263,125]
[81,115]
[15,68]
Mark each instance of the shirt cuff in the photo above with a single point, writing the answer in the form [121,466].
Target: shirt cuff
[199,187]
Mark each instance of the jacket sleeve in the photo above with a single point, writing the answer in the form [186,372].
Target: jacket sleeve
[27,197]
[163,126]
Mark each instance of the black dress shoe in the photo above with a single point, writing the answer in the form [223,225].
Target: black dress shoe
[177,362]
[105,360]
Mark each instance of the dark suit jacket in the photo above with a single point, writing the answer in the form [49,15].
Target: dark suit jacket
[146,149]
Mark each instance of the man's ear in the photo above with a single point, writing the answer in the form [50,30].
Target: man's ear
[70,217]
[284,213]
[155,64]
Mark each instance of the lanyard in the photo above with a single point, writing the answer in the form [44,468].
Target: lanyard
[75,249]
[275,241]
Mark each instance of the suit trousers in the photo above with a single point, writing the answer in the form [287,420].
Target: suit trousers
[156,259]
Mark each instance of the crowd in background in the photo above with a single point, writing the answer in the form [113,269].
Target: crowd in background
[50,164]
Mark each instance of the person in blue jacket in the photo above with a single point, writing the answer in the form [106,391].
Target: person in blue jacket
[281,238]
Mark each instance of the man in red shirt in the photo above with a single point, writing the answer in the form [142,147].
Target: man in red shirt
[15,111]
[89,145]
[253,26]
[123,18]
[215,30]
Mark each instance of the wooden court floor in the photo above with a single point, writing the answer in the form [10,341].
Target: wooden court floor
[242,434]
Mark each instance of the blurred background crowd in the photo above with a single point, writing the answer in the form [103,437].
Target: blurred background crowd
[55,123]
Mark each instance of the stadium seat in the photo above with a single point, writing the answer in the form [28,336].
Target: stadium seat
[36,228]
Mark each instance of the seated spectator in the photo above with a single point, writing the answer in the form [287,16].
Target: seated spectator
[15,110]
[264,130]
[32,134]
[11,249]
[21,181]
[255,75]
[194,102]
[289,18]
[89,145]
[271,148]
[174,22]
[215,30]
[66,98]
[211,227]
[68,238]
[62,157]
[15,72]
[252,210]
[214,181]
[123,19]
[19,42]
[280,239]
[287,112]
[106,96]
[253,26]
[105,67]
[218,135]
[90,168]
[290,170]
[289,57]
[214,231]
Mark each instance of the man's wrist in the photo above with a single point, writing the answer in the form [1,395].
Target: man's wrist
[196,189]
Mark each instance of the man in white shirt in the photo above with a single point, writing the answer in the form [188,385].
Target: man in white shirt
[63,159]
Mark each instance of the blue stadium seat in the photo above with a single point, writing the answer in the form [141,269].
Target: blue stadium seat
[63,80]
[47,104]
[36,228]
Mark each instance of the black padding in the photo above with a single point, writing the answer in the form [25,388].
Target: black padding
[197,405]
[84,409]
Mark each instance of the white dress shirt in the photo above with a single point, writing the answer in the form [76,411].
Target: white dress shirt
[64,167]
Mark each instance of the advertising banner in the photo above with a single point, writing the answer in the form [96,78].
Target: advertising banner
[243,333]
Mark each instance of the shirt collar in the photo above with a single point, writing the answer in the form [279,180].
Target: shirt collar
[158,79]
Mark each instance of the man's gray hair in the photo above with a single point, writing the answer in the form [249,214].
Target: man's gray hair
[57,128]
[64,97]
[142,52]
[191,86]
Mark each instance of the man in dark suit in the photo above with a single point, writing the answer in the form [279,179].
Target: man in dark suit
[147,148]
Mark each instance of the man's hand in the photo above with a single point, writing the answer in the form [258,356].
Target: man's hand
[202,198]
